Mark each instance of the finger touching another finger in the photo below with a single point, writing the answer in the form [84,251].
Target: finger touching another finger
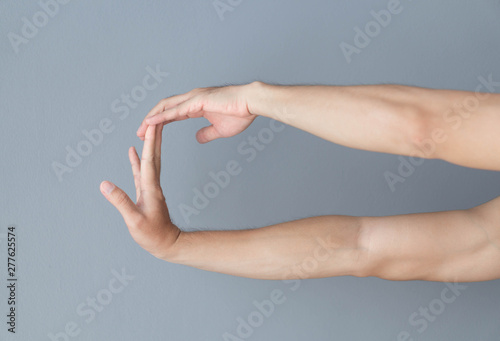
[187,109]
[163,105]
[168,115]
[157,151]
[149,181]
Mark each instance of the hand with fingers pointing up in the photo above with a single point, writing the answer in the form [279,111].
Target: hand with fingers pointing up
[148,219]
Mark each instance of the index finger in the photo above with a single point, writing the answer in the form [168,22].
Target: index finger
[158,108]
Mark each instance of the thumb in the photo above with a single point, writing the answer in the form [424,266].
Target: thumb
[207,134]
[119,199]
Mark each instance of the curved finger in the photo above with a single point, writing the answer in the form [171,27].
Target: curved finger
[187,109]
[161,121]
[135,162]
[160,107]
[207,134]
[164,123]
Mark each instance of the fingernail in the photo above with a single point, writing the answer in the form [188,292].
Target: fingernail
[107,187]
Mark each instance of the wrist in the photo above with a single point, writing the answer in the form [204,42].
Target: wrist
[258,95]
[368,260]
[173,251]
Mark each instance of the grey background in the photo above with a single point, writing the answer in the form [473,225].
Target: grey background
[70,238]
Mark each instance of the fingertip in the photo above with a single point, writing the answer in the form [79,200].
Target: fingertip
[153,120]
[199,138]
[202,136]
[107,187]
[133,153]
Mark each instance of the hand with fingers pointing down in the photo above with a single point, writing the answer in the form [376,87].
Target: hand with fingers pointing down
[226,108]
[148,219]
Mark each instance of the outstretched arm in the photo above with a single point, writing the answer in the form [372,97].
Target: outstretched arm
[451,246]
[441,246]
[457,126]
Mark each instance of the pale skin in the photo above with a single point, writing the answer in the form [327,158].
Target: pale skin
[448,246]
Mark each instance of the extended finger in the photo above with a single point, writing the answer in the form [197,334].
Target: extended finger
[149,178]
[158,135]
[121,201]
[136,170]
[187,109]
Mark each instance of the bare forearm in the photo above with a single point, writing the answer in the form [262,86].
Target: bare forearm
[457,126]
[382,118]
[307,248]
[450,246]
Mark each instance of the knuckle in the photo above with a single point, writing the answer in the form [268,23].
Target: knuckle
[193,106]
[150,158]
[174,111]
[156,189]
[157,192]
[160,193]
[137,221]
[198,91]
[121,199]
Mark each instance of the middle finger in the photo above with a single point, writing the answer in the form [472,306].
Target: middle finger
[149,179]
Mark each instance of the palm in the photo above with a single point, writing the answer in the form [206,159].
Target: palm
[148,220]
[153,233]
[227,125]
